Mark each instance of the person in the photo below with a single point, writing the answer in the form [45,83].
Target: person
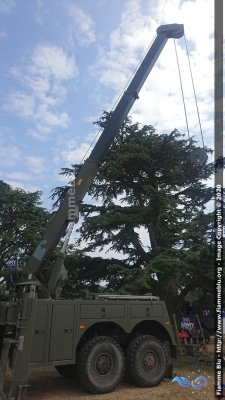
[185,337]
[195,334]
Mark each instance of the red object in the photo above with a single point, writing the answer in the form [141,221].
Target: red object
[182,335]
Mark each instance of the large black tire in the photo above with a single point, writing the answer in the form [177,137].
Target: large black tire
[206,335]
[100,365]
[146,361]
[67,371]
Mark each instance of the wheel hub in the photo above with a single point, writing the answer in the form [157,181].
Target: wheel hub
[103,365]
[149,361]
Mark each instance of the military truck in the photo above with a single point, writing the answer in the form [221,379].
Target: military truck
[94,339]
[206,313]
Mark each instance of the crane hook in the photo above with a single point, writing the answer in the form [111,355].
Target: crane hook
[199,158]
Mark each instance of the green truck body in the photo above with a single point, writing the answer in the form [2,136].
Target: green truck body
[46,332]
[62,327]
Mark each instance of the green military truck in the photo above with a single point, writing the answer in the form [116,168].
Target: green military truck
[94,339]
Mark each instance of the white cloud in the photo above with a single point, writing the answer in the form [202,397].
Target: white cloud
[43,79]
[160,102]
[60,178]
[73,156]
[7,6]
[82,27]
[127,44]
[93,136]
[36,164]
[52,60]
[40,134]
[21,185]
[50,119]
[80,154]
[3,34]
[21,103]
[19,175]
[41,11]
[10,155]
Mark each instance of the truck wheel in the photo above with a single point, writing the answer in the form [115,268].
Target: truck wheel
[67,371]
[100,365]
[206,335]
[146,361]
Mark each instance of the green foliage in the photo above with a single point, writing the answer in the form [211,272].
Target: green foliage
[22,222]
[85,274]
[148,186]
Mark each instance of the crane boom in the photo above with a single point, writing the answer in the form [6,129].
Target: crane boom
[37,330]
[68,210]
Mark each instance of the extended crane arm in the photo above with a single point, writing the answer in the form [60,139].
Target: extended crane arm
[68,210]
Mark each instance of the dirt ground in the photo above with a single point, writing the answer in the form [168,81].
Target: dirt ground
[47,384]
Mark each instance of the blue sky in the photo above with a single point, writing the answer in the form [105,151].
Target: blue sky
[64,62]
